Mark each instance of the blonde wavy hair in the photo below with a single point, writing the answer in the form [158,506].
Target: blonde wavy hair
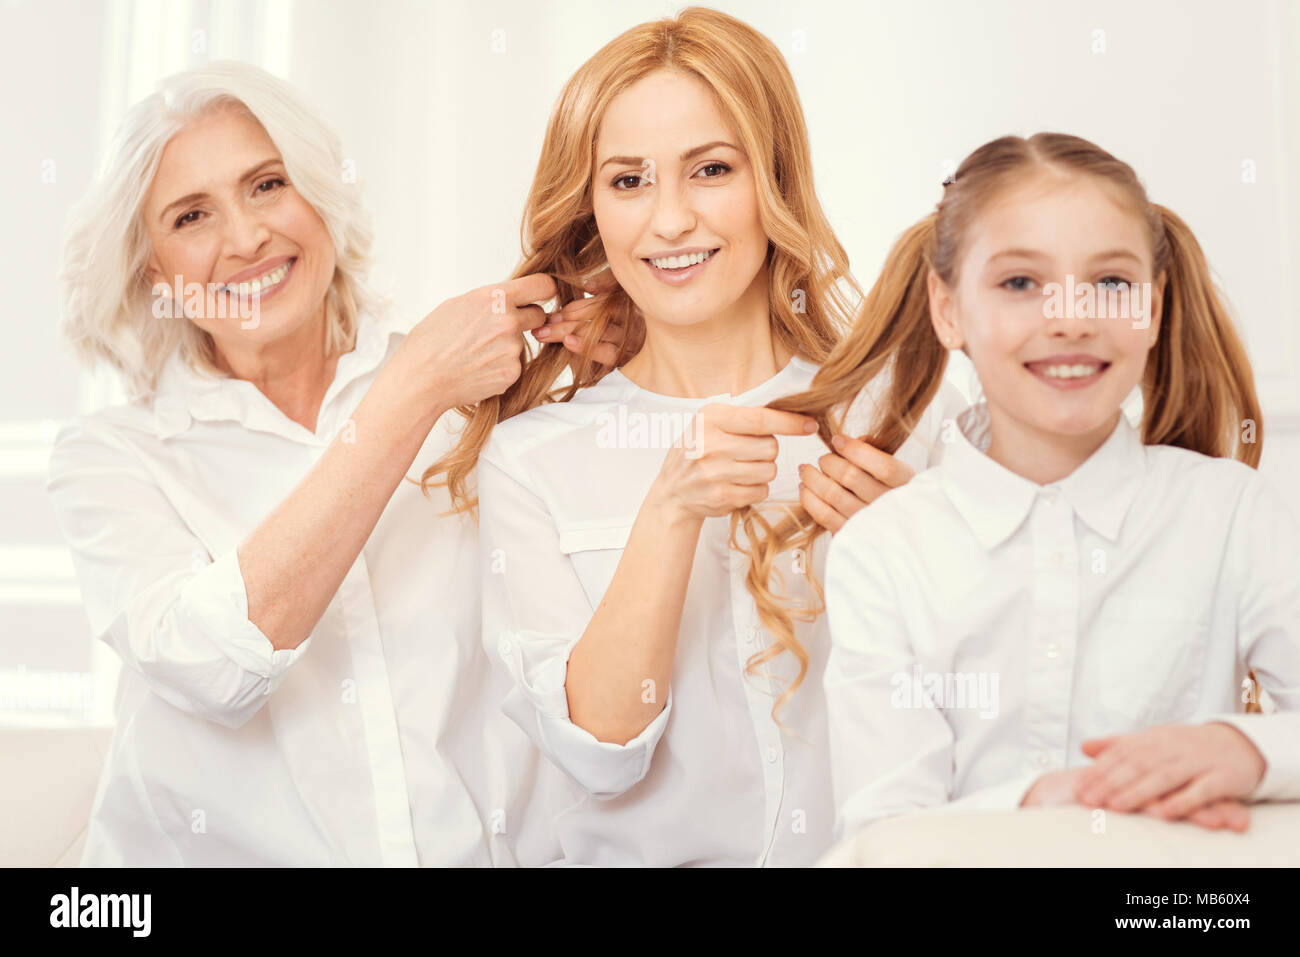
[1198,388]
[810,289]
[107,298]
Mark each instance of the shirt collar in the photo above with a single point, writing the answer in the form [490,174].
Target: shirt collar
[186,394]
[994,501]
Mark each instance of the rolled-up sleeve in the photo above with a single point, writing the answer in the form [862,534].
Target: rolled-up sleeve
[534,612]
[152,591]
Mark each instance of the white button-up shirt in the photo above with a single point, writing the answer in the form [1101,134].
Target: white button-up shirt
[984,626]
[372,742]
[712,779]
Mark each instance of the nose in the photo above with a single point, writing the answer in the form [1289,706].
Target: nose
[673,215]
[1074,316]
[246,233]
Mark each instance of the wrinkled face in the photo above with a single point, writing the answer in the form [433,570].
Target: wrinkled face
[675,202]
[222,215]
[1045,306]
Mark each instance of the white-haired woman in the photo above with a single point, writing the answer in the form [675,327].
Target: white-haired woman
[302,679]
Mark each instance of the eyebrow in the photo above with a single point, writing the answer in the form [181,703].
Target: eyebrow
[252,173]
[689,154]
[1035,254]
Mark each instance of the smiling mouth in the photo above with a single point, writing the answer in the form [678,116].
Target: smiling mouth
[1068,375]
[678,270]
[272,280]
[676,263]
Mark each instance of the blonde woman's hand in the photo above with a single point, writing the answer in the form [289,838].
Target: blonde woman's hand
[848,480]
[469,347]
[1170,771]
[725,460]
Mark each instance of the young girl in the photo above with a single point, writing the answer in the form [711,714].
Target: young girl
[1066,609]
[677,157]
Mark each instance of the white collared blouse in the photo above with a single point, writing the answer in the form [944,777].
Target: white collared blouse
[984,626]
[374,742]
[712,780]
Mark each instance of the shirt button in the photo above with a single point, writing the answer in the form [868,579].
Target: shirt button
[750,634]
[1042,760]
[1050,496]
[1056,558]
[1052,650]
[504,646]
[771,755]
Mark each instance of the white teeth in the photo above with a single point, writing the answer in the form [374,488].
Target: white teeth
[681,262]
[274,277]
[1078,371]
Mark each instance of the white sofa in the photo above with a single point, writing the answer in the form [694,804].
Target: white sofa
[49,779]
[1069,837]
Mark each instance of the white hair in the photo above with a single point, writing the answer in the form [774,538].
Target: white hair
[107,297]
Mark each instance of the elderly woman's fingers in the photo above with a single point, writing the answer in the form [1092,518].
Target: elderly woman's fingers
[537,287]
[557,329]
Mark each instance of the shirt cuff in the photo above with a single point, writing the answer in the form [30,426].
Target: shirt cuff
[997,797]
[216,602]
[601,768]
[1275,736]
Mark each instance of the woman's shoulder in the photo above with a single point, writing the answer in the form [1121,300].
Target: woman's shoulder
[112,439]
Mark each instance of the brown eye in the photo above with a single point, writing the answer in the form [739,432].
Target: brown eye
[633,177]
[187,218]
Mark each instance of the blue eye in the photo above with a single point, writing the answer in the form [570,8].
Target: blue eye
[1018,284]
[1113,282]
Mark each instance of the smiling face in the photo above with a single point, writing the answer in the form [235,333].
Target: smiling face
[222,213]
[676,206]
[1054,366]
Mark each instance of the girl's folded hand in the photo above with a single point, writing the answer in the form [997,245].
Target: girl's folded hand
[1201,772]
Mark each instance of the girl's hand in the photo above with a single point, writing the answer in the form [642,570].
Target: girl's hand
[724,460]
[846,482]
[1058,788]
[1172,771]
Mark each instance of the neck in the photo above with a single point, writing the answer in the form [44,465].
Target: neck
[1042,457]
[730,353]
[293,372]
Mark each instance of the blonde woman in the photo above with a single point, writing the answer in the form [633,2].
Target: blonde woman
[677,159]
[302,680]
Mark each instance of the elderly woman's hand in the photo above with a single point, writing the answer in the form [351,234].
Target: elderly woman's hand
[847,482]
[470,347]
[571,325]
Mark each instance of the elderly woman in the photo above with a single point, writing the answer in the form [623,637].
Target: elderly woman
[303,681]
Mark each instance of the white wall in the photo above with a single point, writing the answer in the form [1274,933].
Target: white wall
[442,107]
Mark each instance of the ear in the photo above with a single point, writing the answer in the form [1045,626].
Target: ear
[943,312]
[153,273]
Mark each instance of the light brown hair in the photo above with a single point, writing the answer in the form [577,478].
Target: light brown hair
[1198,389]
